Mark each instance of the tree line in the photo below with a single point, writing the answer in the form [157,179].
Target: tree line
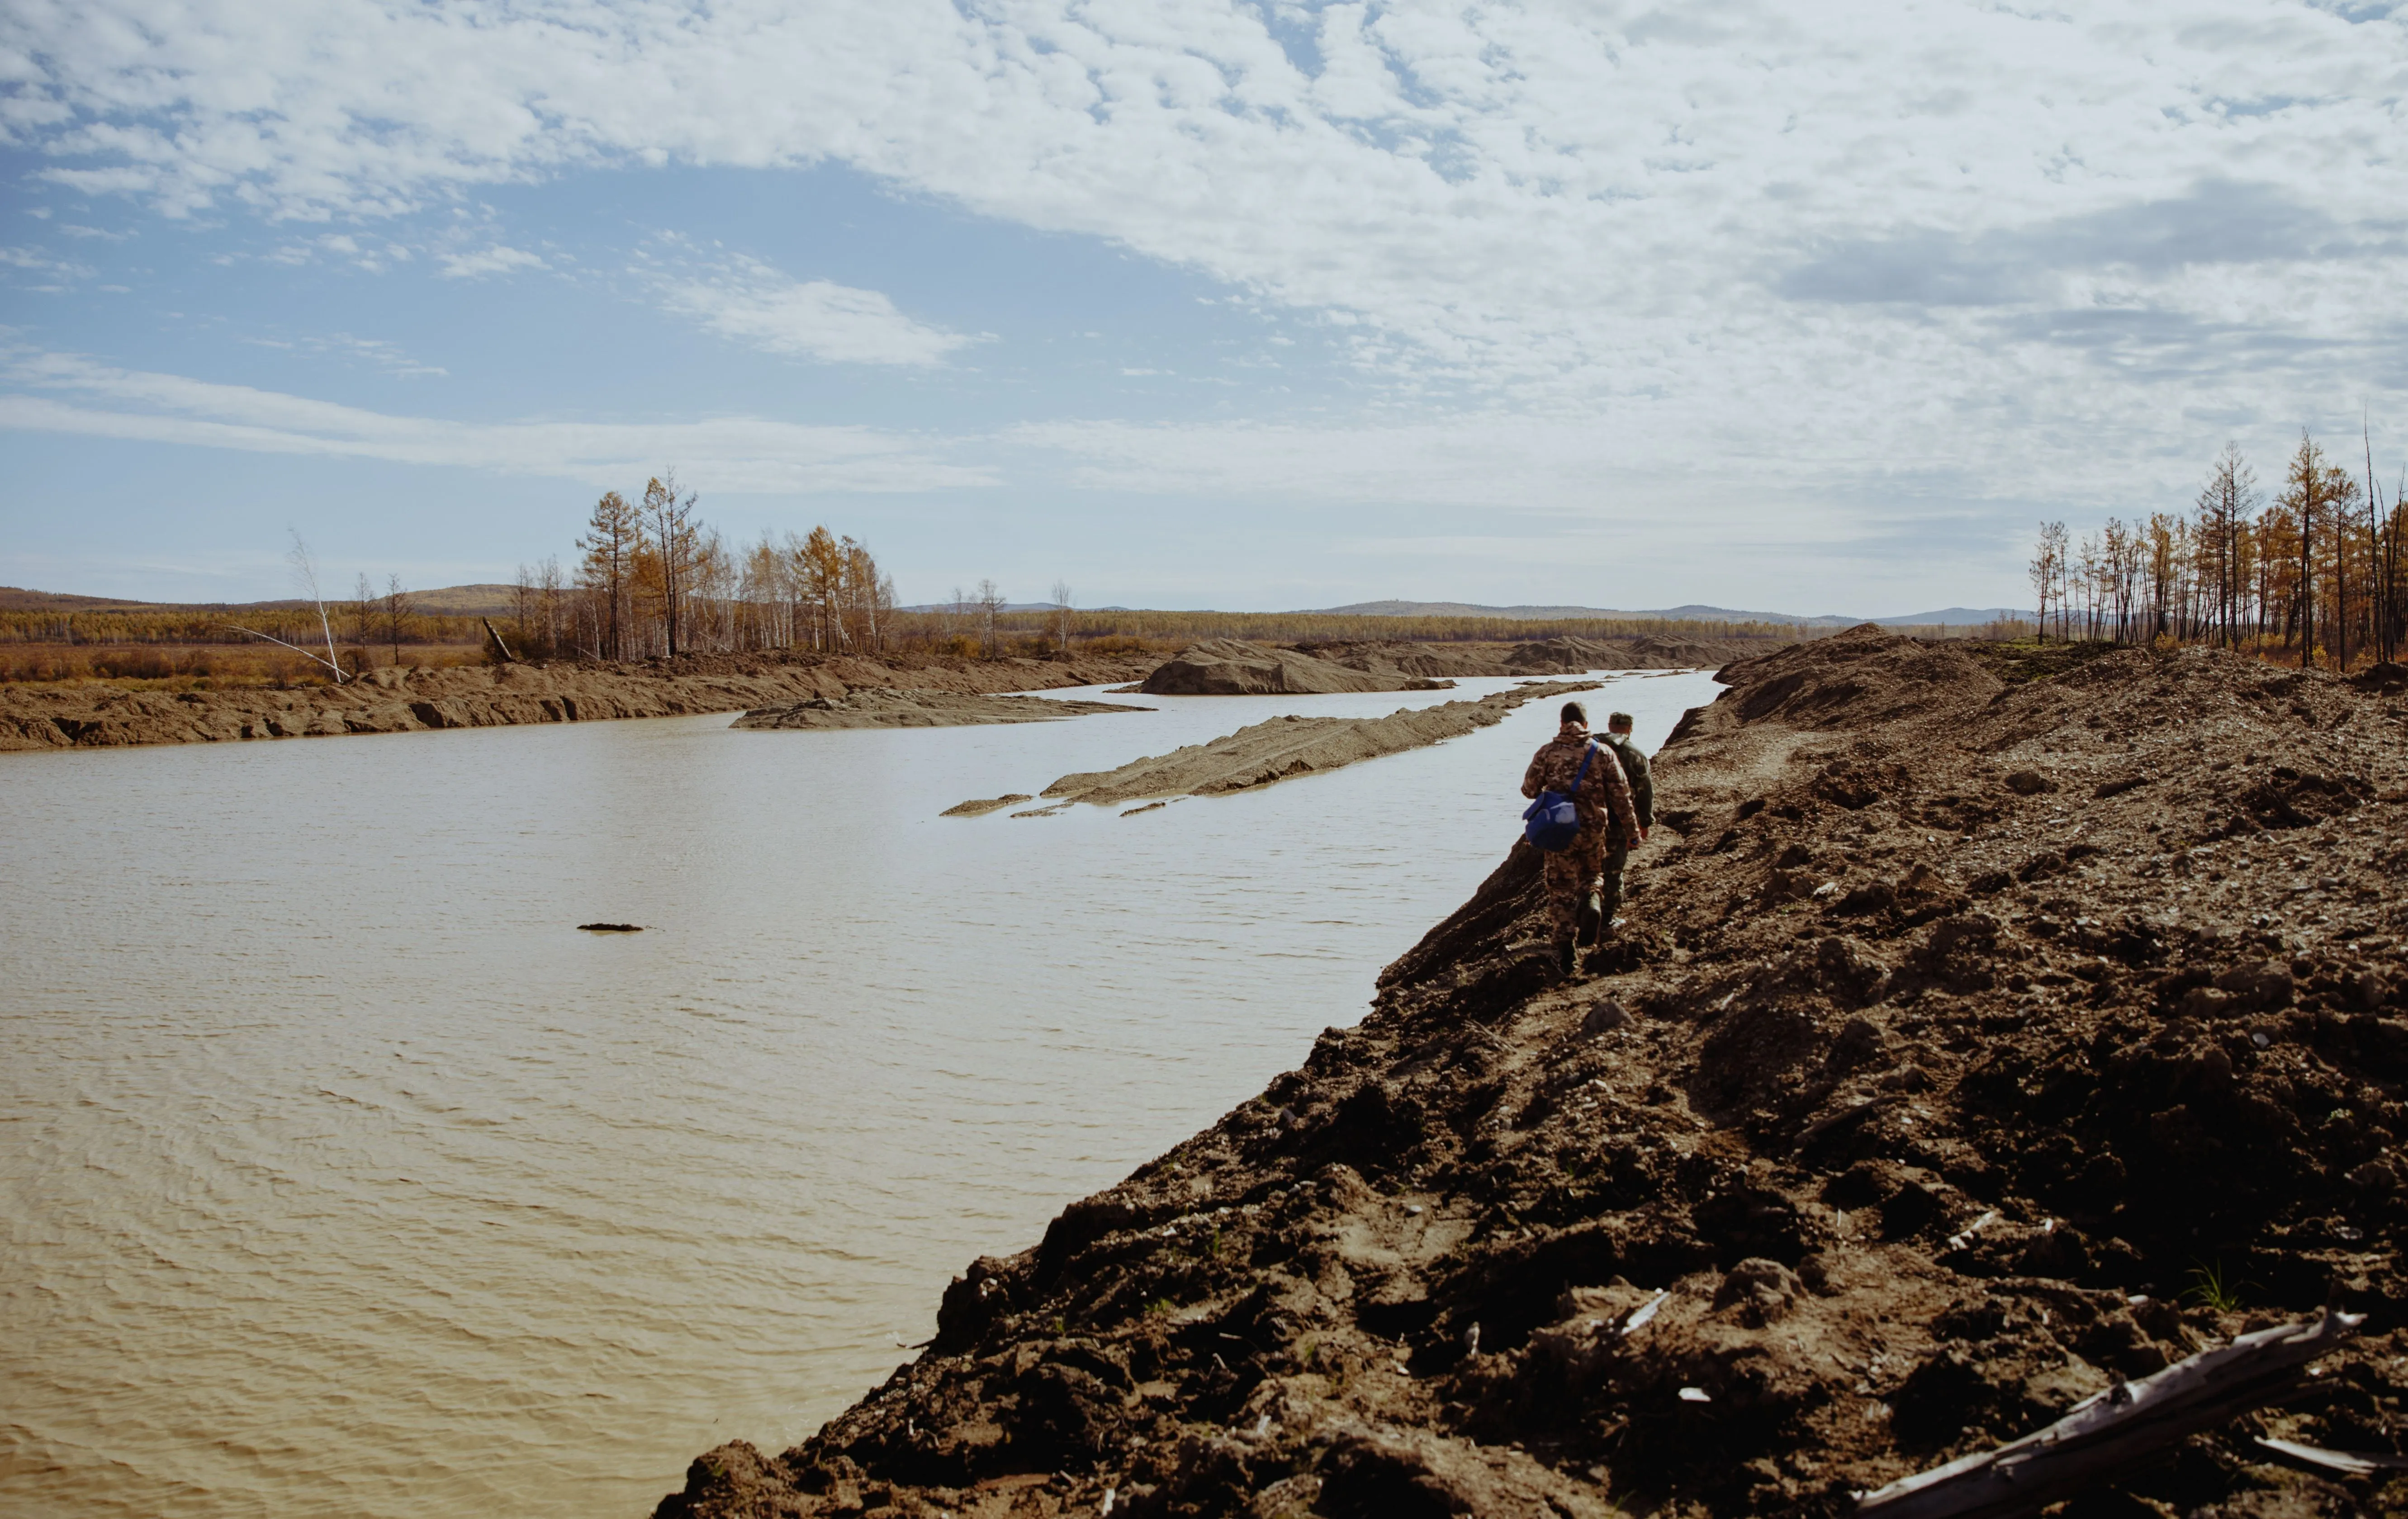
[651,579]
[2314,573]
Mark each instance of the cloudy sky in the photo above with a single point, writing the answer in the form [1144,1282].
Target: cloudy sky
[1189,302]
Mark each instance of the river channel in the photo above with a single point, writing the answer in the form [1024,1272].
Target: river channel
[344,1176]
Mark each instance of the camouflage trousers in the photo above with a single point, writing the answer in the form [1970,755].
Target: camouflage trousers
[1571,874]
[1617,855]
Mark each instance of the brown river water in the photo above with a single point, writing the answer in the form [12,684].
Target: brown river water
[343,1176]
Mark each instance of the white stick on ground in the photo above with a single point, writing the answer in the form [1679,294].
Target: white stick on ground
[2115,1431]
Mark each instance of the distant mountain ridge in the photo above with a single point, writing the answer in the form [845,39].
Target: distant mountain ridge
[493,600]
[1944,617]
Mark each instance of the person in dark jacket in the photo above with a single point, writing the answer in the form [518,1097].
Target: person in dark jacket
[1602,803]
[1642,801]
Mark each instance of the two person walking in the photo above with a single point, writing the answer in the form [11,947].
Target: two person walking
[1616,804]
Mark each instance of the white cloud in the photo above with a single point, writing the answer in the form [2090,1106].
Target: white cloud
[1827,248]
[729,453]
[57,273]
[485,261]
[750,302]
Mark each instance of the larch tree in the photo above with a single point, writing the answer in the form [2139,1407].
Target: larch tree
[669,520]
[612,537]
[990,606]
[397,605]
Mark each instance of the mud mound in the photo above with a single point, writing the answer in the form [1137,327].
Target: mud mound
[1864,677]
[1964,1059]
[878,707]
[1553,654]
[1228,668]
[1434,661]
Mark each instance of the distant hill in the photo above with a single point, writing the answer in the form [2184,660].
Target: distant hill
[1946,617]
[491,600]
[448,601]
[468,601]
[16,599]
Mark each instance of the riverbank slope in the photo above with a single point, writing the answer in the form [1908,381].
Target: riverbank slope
[1963,1023]
[88,714]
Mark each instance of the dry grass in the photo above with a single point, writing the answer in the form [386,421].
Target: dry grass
[202,666]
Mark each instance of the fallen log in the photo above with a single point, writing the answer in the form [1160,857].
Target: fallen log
[2113,1432]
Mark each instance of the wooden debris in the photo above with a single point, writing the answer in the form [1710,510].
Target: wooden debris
[2115,1431]
[2348,1463]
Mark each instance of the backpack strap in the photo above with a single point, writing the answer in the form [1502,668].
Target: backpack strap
[1582,774]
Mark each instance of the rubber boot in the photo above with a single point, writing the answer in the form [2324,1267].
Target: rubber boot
[1568,957]
[1585,920]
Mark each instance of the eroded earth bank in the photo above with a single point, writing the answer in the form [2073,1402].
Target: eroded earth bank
[92,715]
[1985,1034]
[786,689]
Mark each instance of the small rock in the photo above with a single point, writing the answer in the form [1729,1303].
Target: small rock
[1604,1017]
[2029,782]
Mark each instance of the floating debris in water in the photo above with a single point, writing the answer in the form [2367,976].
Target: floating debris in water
[611,928]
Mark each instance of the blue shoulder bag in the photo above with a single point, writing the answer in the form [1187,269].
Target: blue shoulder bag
[1553,821]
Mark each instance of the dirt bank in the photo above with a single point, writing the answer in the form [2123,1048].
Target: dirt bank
[883,707]
[1228,667]
[87,715]
[1976,1043]
[1552,656]
[1286,747]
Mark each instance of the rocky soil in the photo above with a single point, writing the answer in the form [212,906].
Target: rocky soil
[1983,1031]
[883,707]
[91,714]
[1283,747]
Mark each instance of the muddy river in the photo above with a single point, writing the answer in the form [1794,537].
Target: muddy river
[342,1175]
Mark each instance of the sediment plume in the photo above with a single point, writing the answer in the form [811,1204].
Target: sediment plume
[1985,1033]
[878,707]
[1283,747]
[89,714]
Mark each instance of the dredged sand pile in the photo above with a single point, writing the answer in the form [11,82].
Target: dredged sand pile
[879,706]
[1230,668]
[1283,747]
[1961,1024]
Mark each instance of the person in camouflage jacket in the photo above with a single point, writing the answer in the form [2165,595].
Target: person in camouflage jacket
[1642,800]
[1603,805]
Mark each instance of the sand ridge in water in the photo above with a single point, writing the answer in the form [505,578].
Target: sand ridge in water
[883,707]
[1283,748]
